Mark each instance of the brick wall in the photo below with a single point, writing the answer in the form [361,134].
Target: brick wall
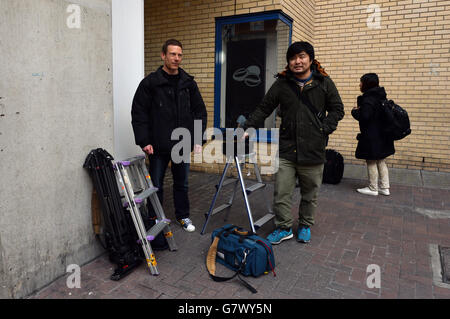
[303,14]
[410,51]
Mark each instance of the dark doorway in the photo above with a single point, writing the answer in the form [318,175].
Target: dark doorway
[246,72]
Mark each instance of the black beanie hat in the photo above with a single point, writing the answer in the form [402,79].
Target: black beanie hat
[297,47]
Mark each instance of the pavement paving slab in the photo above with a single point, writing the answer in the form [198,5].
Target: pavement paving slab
[362,247]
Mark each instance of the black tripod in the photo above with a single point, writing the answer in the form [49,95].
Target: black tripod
[120,237]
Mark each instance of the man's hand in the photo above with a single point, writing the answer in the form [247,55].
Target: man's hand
[197,149]
[148,150]
[245,136]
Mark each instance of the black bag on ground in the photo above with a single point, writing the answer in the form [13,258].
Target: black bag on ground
[333,169]
[396,119]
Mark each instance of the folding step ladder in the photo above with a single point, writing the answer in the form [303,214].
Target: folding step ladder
[246,191]
[137,186]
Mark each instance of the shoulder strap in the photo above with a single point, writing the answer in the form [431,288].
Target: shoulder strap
[311,107]
[306,101]
[269,252]
[212,252]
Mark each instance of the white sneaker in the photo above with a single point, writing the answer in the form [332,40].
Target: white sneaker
[384,191]
[367,191]
[187,225]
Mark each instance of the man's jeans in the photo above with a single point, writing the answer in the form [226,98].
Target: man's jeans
[180,173]
[310,179]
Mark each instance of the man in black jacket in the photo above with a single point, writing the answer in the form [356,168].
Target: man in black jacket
[310,108]
[165,100]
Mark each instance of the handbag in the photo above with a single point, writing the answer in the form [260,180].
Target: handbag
[241,251]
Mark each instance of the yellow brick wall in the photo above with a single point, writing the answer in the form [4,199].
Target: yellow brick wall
[303,14]
[411,54]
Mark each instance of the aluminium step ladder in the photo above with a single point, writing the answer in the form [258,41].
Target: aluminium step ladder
[135,182]
[246,191]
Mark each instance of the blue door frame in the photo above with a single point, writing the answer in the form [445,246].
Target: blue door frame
[220,22]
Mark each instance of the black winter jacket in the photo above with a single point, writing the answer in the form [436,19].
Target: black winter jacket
[303,137]
[155,113]
[372,145]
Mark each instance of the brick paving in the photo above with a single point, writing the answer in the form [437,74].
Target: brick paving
[352,231]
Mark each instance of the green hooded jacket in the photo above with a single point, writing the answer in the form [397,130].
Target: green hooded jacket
[303,137]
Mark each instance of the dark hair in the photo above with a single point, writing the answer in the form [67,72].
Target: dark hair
[170,42]
[369,80]
[297,47]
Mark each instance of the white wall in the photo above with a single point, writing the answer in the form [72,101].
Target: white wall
[128,70]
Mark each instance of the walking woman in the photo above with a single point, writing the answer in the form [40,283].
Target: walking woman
[373,146]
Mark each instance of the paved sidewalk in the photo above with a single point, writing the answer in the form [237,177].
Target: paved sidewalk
[399,233]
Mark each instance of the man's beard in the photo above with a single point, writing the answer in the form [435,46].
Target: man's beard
[301,74]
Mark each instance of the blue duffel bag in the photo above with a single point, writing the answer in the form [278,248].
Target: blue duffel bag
[241,251]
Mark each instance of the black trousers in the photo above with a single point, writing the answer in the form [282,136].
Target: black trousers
[180,173]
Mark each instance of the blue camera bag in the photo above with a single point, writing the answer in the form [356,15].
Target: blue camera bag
[241,251]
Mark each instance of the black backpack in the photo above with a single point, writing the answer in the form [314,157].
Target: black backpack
[334,167]
[396,121]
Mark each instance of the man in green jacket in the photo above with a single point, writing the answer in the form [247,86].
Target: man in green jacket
[310,109]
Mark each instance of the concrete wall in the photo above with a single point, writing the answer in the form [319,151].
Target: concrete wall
[55,106]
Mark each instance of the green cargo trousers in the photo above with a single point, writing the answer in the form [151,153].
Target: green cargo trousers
[310,179]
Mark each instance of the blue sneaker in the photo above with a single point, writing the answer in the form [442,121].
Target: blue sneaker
[279,235]
[304,234]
